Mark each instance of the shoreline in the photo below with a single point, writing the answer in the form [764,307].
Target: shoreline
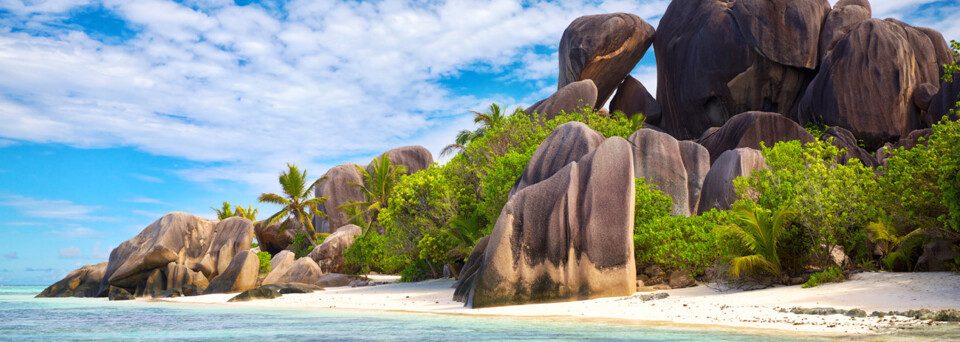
[700,307]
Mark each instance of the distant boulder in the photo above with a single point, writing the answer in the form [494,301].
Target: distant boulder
[566,144]
[334,280]
[118,293]
[750,129]
[254,294]
[203,246]
[632,98]
[868,81]
[278,267]
[567,237]
[303,270]
[844,15]
[240,275]
[603,48]
[716,59]
[415,158]
[696,160]
[329,254]
[944,100]
[718,189]
[914,139]
[82,282]
[845,140]
[569,99]
[659,160]
[338,191]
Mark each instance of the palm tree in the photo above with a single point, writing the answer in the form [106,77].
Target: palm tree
[377,187]
[494,117]
[296,201]
[759,231]
[893,246]
[225,212]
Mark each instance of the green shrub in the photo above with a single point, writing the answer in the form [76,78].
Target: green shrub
[254,245]
[264,257]
[500,179]
[830,275]
[366,254]
[816,130]
[676,243]
[831,198]
[301,246]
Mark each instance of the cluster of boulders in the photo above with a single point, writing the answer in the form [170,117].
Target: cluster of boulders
[733,76]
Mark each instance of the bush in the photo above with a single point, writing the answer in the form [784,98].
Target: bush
[366,254]
[264,257]
[831,198]
[301,246]
[830,275]
[676,243]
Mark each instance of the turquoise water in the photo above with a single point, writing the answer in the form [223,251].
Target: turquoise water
[24,318]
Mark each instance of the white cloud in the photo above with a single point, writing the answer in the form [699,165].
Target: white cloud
[240,87]
[146,178]
[51,209]
[146,200]
[70,252]
[73,231]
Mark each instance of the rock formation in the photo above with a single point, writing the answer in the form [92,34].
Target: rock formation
[240,275]
[278,267]
[567,237]
[566,144]
[718,189]
[329,254]
[303,270]
[659,160]
[569,99]
[415,158]
[750,129]
[845,140]
[82,282]
[716,59]
[338,191]
[867,83]
[632,98]
[603,48]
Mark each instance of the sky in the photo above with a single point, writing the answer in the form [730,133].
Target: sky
[113,113]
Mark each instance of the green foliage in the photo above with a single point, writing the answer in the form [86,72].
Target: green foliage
[952,68]
[264,257]
[830,275]
[296,201]
[676,243]
[254,245]
[895,248]
[759,232]
[377,186]
[366,254]
[319,238]
[831,198]
[226,212]
[816,130]
[500,179]
[421,206]
[492,118]
[301,245]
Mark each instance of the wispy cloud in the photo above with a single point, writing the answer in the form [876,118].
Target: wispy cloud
[99,254]
[147,213]
[11,255]
[146,178]
[73,231]
[7,143]
[51,209]
[71,252]
[146,200]
[31,269]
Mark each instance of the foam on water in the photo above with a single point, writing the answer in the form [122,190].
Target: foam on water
[24,318]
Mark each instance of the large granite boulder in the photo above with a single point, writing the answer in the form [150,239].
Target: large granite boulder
[567,237]
[845,140]
[659,160]
[338,191]
[272,239]
[867,83]
[938,255]
[182,281]
[566,144]
[117,293]
[231,236]
[718,189]
[334,280]
[844,15]
[329,254]
[696,160]
[470,269]
[571,98]
[603,48]
[716,59]
[946,99]
[278,266]
[240,275]
[632,98]
[303,270]
[415,158]
[176,237]
[914,139]
[82,282]
[750,129]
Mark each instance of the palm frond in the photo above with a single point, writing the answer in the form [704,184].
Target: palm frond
[274,199]
[751,263]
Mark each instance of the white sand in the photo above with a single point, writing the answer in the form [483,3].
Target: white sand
[698,305]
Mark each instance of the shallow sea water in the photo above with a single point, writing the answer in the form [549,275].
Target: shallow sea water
[24,318]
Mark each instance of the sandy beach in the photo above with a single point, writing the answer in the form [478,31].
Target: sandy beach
[700,305]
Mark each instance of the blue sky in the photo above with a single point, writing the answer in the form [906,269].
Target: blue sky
[116,112]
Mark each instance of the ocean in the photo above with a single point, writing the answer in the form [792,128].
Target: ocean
[24,318]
